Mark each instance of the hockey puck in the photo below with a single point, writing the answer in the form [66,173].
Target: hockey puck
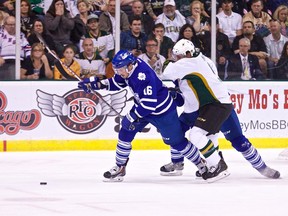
[43,183]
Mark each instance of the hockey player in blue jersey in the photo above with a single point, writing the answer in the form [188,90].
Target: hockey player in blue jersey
[231,129]
[153,104]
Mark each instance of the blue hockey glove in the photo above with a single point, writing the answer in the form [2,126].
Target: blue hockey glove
[129,120]
[177,96]
[89,83]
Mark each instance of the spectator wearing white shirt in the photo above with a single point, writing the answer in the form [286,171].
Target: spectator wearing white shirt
[274,43]
[90,61]
[172,20]
[230,23]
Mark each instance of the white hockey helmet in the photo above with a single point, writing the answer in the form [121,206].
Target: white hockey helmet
[182,47]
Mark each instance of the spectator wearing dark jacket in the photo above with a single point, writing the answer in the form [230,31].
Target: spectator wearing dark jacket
[147,21]
[59,24]
[134,40]
[244,66]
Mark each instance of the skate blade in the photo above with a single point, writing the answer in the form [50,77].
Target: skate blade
[175,173]
[222,175]
[116,179]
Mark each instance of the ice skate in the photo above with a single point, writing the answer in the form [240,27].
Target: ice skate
[198,174]
[115,174]
[172,169]
[202,168]
[216,173]
[269,172]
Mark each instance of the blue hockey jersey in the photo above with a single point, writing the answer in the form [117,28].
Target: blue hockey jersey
[150,94]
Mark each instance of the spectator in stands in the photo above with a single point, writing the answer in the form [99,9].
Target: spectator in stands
[147,21]
[199,18]
[165,44]
[59,24]
[230,23]
[151,56]
[27,17]
[274,43]
[257,44]
[154,8]
[282,67]
[8,49]
[281,14]
[244,66]
[38,27]
[223,51]
[61,72]
[187,32]
[259,18]
[103,42]
[83,8]
[172,19]
[8,7]
[201,24]
[107,19]
[134,40]
[80,21]
[36,66]
[90,61]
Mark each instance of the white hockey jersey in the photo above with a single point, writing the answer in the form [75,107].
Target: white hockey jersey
[102,44]
[199,82]
[172,27]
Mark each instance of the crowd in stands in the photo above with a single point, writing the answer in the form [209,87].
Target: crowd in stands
[251,36]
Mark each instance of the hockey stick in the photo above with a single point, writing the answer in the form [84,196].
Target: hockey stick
[40,38]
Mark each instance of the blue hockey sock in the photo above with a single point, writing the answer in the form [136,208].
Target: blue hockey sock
[176,156]
[122,152]
[191,153]
[253,157]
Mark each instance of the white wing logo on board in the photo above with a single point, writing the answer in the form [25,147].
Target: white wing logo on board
[79,112]
[51,105]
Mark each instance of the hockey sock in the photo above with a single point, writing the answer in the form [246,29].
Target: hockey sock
[122,152]
[254,158]
[176,156]
[214,139]
[191,153]
[205,146]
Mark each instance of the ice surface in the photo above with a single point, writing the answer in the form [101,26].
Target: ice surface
[75,186]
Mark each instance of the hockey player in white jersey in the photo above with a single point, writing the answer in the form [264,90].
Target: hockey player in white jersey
[203,92]
[232,131]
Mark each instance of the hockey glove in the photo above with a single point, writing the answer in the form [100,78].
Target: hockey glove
[89,83]
[128,121]
[177,96]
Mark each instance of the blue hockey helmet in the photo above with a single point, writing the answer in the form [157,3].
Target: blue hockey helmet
[123,58]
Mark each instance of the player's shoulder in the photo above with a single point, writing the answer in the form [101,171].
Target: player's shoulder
[143,72]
